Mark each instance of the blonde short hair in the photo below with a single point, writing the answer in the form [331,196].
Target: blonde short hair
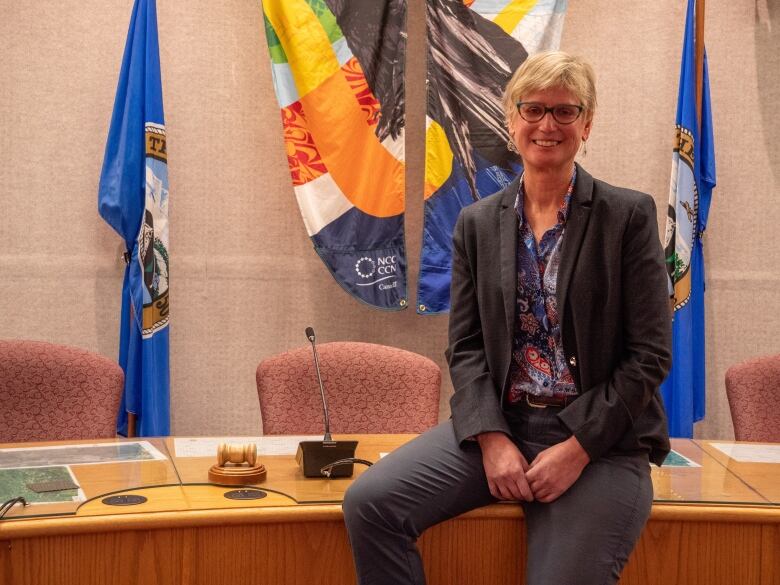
[552,69]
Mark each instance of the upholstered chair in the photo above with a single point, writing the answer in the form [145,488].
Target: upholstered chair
[753,390]
[370,389]
[53,392]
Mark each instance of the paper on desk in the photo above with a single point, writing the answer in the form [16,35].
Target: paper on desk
[14,480]
[675,459]
[81,454]
[765,453]
[268,445]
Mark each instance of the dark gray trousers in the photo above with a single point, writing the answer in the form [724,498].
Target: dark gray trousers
[582,538]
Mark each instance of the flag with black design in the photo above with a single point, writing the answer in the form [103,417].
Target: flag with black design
[474,47]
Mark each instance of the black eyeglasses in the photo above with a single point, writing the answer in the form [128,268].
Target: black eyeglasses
[534,112]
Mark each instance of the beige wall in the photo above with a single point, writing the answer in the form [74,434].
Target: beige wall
[245,279]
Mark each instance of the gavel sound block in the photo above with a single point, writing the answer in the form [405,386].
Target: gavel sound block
[237,465]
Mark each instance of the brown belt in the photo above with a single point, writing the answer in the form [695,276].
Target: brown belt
[559,400]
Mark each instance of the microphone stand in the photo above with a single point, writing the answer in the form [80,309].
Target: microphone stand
[326,458]
[327,439]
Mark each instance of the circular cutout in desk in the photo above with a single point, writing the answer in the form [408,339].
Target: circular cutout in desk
[126,500]
[245,494]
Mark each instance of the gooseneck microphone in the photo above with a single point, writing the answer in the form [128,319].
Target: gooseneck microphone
[311,337]
[326,458]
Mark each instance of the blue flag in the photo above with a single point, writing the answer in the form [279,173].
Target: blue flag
[693,178]
[133,199]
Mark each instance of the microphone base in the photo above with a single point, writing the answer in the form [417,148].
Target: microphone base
[312,456]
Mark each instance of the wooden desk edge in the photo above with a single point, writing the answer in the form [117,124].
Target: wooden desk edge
[332,513]
[667,511]
[174,519]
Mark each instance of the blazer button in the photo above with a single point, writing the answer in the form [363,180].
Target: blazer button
[573,361]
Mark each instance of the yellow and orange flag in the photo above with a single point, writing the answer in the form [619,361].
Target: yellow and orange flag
[338,70]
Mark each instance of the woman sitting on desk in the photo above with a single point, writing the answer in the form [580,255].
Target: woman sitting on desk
[559,337]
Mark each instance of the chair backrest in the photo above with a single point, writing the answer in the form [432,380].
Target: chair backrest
[753,390]
[370,389]
[54,392]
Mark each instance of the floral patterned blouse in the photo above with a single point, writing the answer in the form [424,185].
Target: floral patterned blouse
[538,365]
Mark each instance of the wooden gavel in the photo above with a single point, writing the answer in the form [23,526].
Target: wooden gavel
[237,454]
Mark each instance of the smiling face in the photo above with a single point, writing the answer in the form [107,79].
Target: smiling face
[547,145]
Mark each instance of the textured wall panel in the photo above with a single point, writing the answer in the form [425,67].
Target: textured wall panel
[245,279]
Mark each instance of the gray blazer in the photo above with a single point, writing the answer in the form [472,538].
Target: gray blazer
[613,307]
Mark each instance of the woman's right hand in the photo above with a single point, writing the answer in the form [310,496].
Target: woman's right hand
[505,467]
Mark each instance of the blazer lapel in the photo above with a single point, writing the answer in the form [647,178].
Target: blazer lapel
[576,224]
[508,243]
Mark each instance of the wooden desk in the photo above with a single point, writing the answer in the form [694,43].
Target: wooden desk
[714,524]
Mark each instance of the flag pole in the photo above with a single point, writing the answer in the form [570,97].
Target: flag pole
[699,50]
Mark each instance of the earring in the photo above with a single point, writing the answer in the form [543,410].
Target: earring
[584,147]
[511,147]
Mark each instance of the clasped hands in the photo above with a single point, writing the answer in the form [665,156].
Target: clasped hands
[546,478]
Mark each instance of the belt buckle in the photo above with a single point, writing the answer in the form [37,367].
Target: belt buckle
[531,404]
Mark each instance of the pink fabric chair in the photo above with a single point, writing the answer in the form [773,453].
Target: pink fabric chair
[370,389]
[53,392]
[753,390]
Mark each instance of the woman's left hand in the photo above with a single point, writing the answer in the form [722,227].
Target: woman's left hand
[556,469]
